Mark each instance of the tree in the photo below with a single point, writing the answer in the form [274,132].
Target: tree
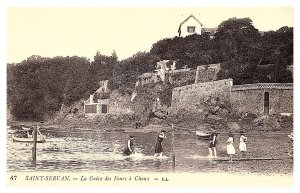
[127,71]
[191,51]
[278,45]
[101,69]
[39,86]
[235,37]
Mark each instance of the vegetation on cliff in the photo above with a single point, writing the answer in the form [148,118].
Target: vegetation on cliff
[38,87]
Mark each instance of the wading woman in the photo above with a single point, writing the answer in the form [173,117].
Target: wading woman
[129,149]
[212,146]
[158,146]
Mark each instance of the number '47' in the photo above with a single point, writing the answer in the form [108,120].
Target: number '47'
[13,178]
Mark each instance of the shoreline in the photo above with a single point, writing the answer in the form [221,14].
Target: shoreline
[127,129]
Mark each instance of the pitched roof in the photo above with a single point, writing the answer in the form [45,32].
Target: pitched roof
[191,16]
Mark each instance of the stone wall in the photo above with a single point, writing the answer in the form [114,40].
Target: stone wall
[147,78]
[193,97]
[171,76]
[207,73]
[181,77]
[119,104]
[250,98]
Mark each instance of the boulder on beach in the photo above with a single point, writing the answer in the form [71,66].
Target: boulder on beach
[266,123]
[233,126]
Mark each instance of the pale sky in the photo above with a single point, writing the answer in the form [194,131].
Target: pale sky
[82,31]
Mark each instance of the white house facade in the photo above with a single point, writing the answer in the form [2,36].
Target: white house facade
[191,25]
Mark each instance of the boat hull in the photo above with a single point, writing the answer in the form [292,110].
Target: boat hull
[204,136]
[28,140]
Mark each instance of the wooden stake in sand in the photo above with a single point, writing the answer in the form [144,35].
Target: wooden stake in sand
[173,147]
[34,135]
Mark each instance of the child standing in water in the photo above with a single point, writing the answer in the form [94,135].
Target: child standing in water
[242,146]
[158,146]
[129,149]
[230,148]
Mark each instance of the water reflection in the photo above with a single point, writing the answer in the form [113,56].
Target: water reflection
[100,151]
[86,152]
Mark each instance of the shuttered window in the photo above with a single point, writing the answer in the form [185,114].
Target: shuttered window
[90,108]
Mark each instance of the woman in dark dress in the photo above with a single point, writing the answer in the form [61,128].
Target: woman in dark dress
[129,149]
[212,144]
[158,146]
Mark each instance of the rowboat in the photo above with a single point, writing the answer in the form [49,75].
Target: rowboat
[25,135]
[202,135]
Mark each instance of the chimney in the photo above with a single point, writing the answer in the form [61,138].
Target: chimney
[91,98]
[173,67]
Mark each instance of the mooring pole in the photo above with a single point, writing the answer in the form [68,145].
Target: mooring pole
[173,147]
[34,135]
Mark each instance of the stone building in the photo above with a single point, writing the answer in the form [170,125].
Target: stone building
[104,101]
[259,99]
[263,98]
[94,107]
[193,97]
[98,102]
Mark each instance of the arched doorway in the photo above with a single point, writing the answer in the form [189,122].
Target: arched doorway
[266,103]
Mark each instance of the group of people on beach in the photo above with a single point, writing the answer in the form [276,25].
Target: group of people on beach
[229,145]
[158,147]
[211,146]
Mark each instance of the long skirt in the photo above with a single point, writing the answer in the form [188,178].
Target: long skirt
[126,152]
[230,149]
[243,146]
[158,147]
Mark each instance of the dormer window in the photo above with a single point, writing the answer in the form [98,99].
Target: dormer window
[191,29]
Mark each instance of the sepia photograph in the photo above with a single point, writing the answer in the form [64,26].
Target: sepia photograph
[149,96]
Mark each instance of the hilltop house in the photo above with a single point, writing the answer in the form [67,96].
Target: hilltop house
[191,25]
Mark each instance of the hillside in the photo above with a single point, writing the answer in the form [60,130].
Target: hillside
[38,88]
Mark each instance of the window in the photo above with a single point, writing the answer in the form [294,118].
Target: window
[90,108]
[191,29]
[103,108]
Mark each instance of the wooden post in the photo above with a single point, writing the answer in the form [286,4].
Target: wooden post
[173,147]
[34,135]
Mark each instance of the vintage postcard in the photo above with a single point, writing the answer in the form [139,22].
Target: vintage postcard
[149,96]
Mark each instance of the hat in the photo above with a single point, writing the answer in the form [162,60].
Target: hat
[163,130]
[131,136]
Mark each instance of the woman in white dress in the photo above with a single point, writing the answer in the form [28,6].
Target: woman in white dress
[243,146]
[230,147]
